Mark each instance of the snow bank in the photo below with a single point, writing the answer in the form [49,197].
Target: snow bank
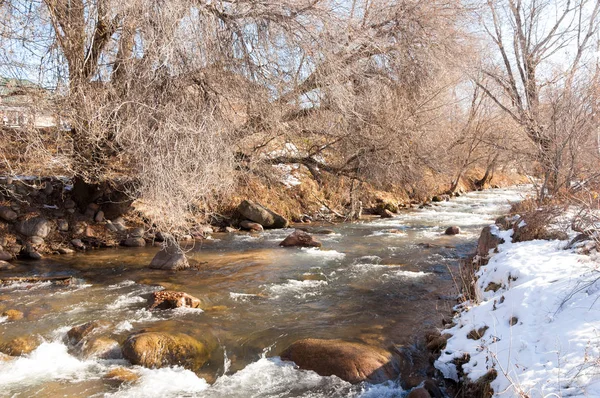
[542,320]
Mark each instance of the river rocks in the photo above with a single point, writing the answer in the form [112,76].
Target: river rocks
[419,393]
[35,240]
[155,350]
[119,224]
[133,242]
[99,216]
[5,256]
[454,230]
[353,362]
[100,347]
[62,225]
[78,333]
[69,204]
[37,226]
[136,232]
[171,258]
[168,299]
[7,214]
[251,226]
[385,213]
[20,346]
[324,231]
[299,238]
[119,376]
[260,214]
[65,250]
[487,241]
[13,315]
[4,266]
[78,244]
[78,228]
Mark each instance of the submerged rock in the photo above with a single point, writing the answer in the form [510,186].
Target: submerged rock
[100,347]
[168,299]
[170,258]
[5,266]
[20,346]
[119,376]
[299,238]
[78,333]
[353,362]
[454,230]
[260,214]
[13,315]
[156,350]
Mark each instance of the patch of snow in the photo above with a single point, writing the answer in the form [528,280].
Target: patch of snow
[543,323]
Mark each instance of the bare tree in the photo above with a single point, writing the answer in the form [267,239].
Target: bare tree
[527,36]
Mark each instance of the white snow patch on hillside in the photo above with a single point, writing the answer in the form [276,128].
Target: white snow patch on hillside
[552,298]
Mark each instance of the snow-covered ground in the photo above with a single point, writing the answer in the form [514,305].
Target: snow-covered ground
[543,324]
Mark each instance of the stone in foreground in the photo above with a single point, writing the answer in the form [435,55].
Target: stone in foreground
[352,362]
[299,238]
[156,350]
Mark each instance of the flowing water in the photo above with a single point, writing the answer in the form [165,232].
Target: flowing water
[381,282]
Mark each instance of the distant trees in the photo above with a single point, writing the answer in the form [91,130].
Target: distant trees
[539,74]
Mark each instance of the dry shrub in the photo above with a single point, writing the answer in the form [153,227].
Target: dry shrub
[535,220]
[481,388]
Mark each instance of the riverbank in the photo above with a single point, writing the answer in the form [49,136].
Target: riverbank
[49,216]
[532,328]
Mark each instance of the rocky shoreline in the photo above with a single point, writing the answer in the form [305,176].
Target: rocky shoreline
[52,216]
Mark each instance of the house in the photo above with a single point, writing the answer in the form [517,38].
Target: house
[24,104]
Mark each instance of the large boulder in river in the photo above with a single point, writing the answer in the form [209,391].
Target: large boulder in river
[156,349]
[37,226]
[168,299]
[170,258]
[299,238]
[353,362]
[260,214]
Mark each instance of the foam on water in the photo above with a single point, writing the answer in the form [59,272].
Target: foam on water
[164,382]
[242,296]
[299,289]
[50,361]
[120,285]
[124,301]
[274,378]
[325,255]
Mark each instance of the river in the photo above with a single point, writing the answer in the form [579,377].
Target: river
[381,282]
